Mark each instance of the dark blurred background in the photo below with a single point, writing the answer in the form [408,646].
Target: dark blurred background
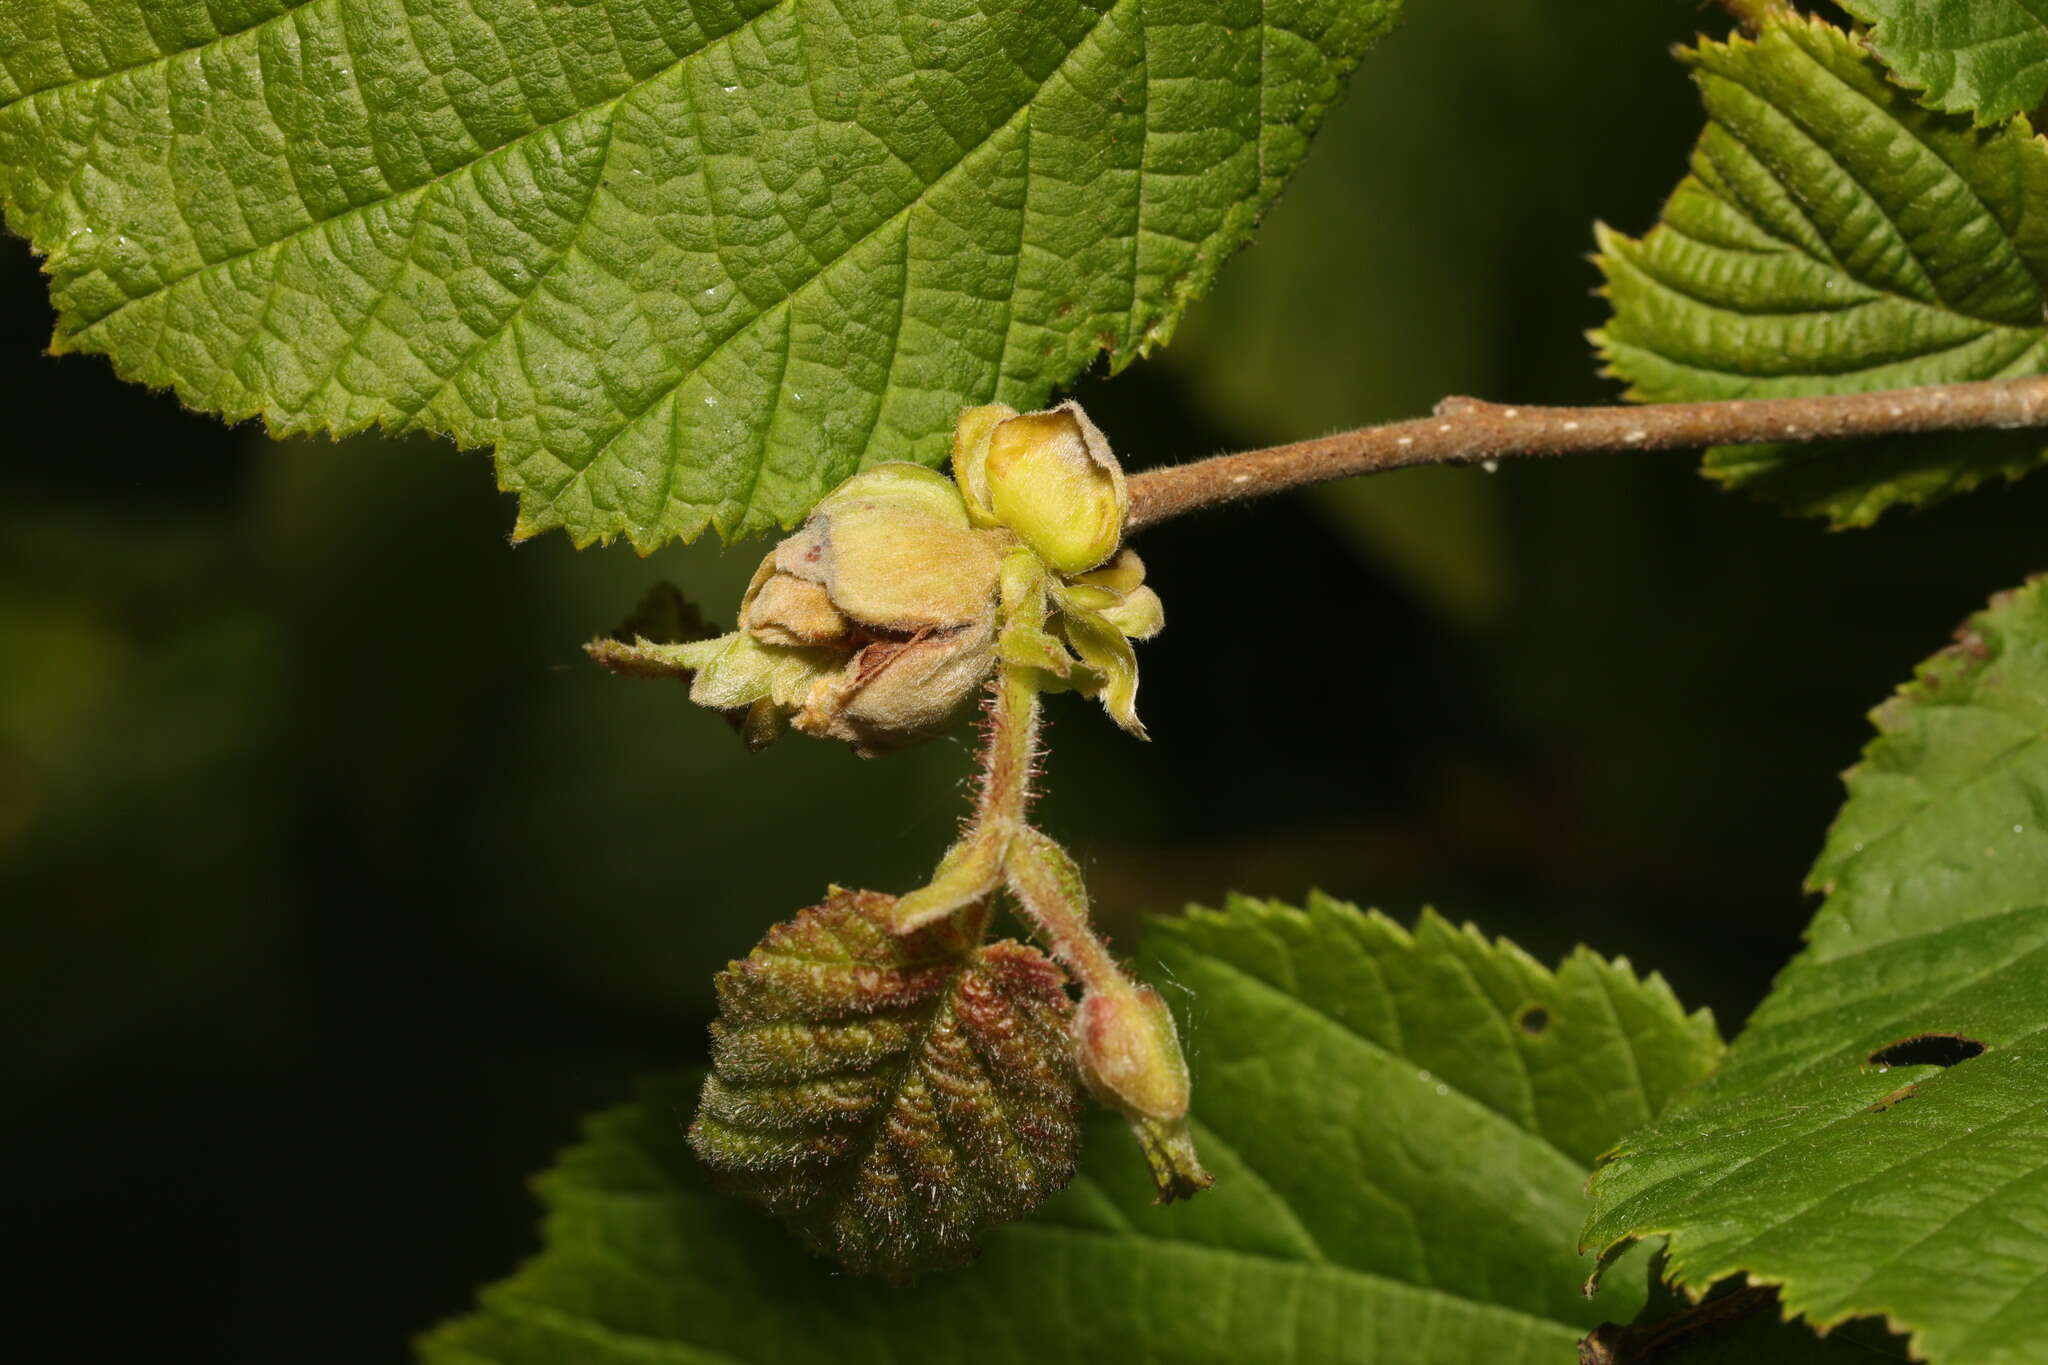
[338,886]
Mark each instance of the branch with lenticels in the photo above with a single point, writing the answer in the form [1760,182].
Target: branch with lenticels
[1468,431]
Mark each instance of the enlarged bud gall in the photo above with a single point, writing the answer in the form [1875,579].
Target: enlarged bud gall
[878,619]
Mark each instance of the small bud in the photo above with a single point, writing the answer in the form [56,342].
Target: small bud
[1051,477]
[1127,603]
[908,488]
[757,685]
[1128,1052]
[1140,616]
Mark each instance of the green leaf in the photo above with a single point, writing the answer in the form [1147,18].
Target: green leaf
[1399,1126]
[680,262]
[1877,1140]
[1834,237]
[890,1094]
[1987,58]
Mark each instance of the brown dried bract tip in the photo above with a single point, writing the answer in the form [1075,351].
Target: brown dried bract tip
[890,1095]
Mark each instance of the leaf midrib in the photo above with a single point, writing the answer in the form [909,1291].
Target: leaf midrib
[839,1181]
[667,391]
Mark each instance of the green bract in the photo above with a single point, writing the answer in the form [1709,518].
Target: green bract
[1877,1141]
[1399,1125]
[1835,237]
[679,262]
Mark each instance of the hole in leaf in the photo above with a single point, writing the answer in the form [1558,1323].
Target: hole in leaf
[1534,1020]
[1928,1049]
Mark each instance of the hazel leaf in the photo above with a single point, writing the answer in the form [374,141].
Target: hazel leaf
[889,1095]
[1835,237]
[1876,1143]
[678,263]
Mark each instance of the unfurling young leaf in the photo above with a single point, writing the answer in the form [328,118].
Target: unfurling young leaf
[1835,237]
[889,1095]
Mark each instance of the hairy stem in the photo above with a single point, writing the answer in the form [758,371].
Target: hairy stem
[1043,878]
[972,868]
[1126,1043]
[1469,431]
[1048,889]
[1011,753]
